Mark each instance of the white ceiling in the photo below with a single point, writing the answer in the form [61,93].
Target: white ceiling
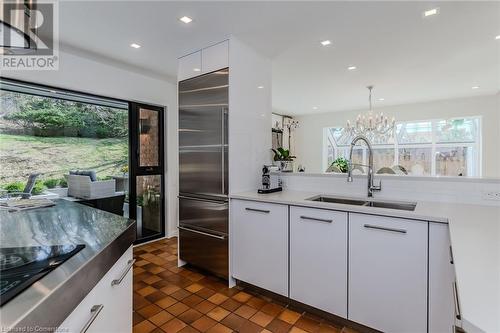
[407,57]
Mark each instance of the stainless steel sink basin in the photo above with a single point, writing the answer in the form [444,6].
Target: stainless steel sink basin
[409,206]
[344,201]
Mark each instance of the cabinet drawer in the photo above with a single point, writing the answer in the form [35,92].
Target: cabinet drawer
[259,233]
[106,302]
[388,273]
[318,259]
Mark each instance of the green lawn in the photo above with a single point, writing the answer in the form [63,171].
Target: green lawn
[53,157]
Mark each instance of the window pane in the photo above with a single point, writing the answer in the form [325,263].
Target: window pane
[149,139]
[383,158]
[416,161]
[457,130]
[455,161]
[420,132]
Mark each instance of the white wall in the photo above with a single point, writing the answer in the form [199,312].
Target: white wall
[249,116]
[89,75]
[309,135]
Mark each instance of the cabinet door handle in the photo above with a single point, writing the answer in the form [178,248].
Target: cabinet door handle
[130,264]
[370,226]
[95,310]
[202,233]
[258,210]
[451,256]
[316,219]
[455,299]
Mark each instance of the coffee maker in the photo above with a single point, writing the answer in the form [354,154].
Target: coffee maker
[266,182]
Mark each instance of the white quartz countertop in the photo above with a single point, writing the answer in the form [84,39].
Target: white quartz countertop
[475,239]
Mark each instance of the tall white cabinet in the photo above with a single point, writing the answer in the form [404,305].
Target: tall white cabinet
[318,259]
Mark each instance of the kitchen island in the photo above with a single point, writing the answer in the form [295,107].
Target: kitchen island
[47,303]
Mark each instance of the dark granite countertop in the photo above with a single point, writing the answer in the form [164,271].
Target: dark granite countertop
[106,237]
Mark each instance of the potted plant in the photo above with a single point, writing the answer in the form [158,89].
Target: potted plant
[341,164]
[284,158]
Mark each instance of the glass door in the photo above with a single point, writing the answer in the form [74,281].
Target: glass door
[147,176]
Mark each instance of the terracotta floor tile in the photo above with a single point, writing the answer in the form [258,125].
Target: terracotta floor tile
[192,300]
[204,323]
[261,318]
[250,327]
[278,326]
[160,284]
[195,287]
[156,296]
[242,297]
[289,316]
[173,326]
[146,291]
[136,318]
[190,316]
[144,327]
[149,311]
[161,318]
[218,313]
[272,309]
[205,292]
[139,301]
[256,302]
[140,263]
[217,298]
[177,308]
[307,324]
[138,270]
[205,306]
[180,294]
[189,329]
[166,302]
[219,328]
[230,304]
[324,328]
[245,311]
[170,289]
[234,321]
[297,330]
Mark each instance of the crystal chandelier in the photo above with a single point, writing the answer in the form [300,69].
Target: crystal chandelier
[376,127]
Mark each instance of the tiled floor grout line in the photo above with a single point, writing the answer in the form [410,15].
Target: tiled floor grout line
[171,299]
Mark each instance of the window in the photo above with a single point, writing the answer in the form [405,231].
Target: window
[52,132]
[422,148]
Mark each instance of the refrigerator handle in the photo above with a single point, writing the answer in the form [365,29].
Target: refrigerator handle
[223,139]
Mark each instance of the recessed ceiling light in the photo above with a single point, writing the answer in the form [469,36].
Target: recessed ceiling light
[381,99]
[260,87]
[475,87]
[196,70]
[351,68]
[497,37]
[315,107]
[326,42]
[135,45]
[186,19]
[430,12]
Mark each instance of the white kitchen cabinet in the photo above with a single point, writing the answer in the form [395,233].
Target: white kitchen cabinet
[441,278]
[259,233]
[215,57]
[318,259]
[113,301]
[189,66]
[388,273]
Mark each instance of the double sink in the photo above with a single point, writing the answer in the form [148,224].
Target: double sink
[409,206]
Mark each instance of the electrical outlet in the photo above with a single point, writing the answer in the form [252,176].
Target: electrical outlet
[491,195]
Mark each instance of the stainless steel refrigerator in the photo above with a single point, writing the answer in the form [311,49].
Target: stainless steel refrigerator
[203,176]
